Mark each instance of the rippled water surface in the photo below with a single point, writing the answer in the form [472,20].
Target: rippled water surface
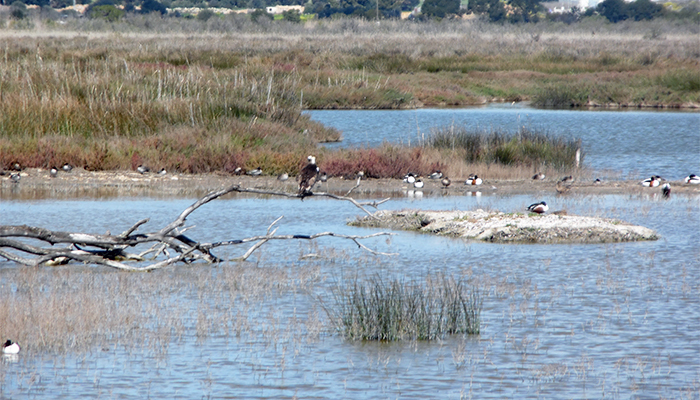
[558,321]
[633,143]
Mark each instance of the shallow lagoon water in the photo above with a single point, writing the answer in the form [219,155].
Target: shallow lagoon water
[558,321]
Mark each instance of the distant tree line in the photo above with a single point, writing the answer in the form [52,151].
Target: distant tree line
[500,11]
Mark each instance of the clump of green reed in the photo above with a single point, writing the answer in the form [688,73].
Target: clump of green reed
[526,147]
[395,309]
[562,95]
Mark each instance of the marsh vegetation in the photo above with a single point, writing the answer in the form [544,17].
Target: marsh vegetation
[199,98]
[396,309]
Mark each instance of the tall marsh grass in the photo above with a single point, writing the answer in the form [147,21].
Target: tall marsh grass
[525,147]
[199,97]
[394,309]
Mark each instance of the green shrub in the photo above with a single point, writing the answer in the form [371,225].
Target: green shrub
[205,15]
[18,10]
[109,13]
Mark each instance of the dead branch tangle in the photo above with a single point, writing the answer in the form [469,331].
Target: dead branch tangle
[111,250]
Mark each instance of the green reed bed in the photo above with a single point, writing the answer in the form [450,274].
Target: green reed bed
[525,147]
[395,309]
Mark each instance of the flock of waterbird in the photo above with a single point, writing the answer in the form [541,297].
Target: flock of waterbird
[311,174]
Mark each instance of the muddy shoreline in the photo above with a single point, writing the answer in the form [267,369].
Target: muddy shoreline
[81,183]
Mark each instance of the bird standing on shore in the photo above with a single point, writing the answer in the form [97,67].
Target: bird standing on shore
[418,184]
[409,178]
[307,177]
[666,190]
[567,179]
[654,181]
[473,180]
[562,187]
[15,178]
[692,179]
[67,167]
[10,348]
[539,208]
[446,182]
[53,172]
[255,172]
[142,169]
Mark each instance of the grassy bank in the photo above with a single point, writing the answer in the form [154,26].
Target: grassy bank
[195,97]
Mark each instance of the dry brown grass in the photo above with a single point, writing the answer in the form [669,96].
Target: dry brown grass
[76,309]
[183,97]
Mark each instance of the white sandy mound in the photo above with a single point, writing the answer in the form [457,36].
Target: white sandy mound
[517,228]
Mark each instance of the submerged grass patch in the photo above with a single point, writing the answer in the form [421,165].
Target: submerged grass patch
[395,309]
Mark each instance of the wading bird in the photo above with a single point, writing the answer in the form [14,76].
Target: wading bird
[473,180]
[666,190]
[436,175]
[654,181]
[539,208]
[255,172]
[10,348]
[692,179]
[409,178]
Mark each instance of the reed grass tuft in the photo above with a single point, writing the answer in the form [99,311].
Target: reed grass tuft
[525,147]
[396,309]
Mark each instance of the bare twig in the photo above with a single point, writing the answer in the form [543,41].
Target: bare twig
[357,185]
[129,231]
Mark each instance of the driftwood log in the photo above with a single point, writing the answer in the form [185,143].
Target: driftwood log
[112,250]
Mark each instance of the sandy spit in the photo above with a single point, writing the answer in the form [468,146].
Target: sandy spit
[37,183]
[498,227]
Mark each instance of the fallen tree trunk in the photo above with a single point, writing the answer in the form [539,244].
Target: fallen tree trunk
[111,250]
